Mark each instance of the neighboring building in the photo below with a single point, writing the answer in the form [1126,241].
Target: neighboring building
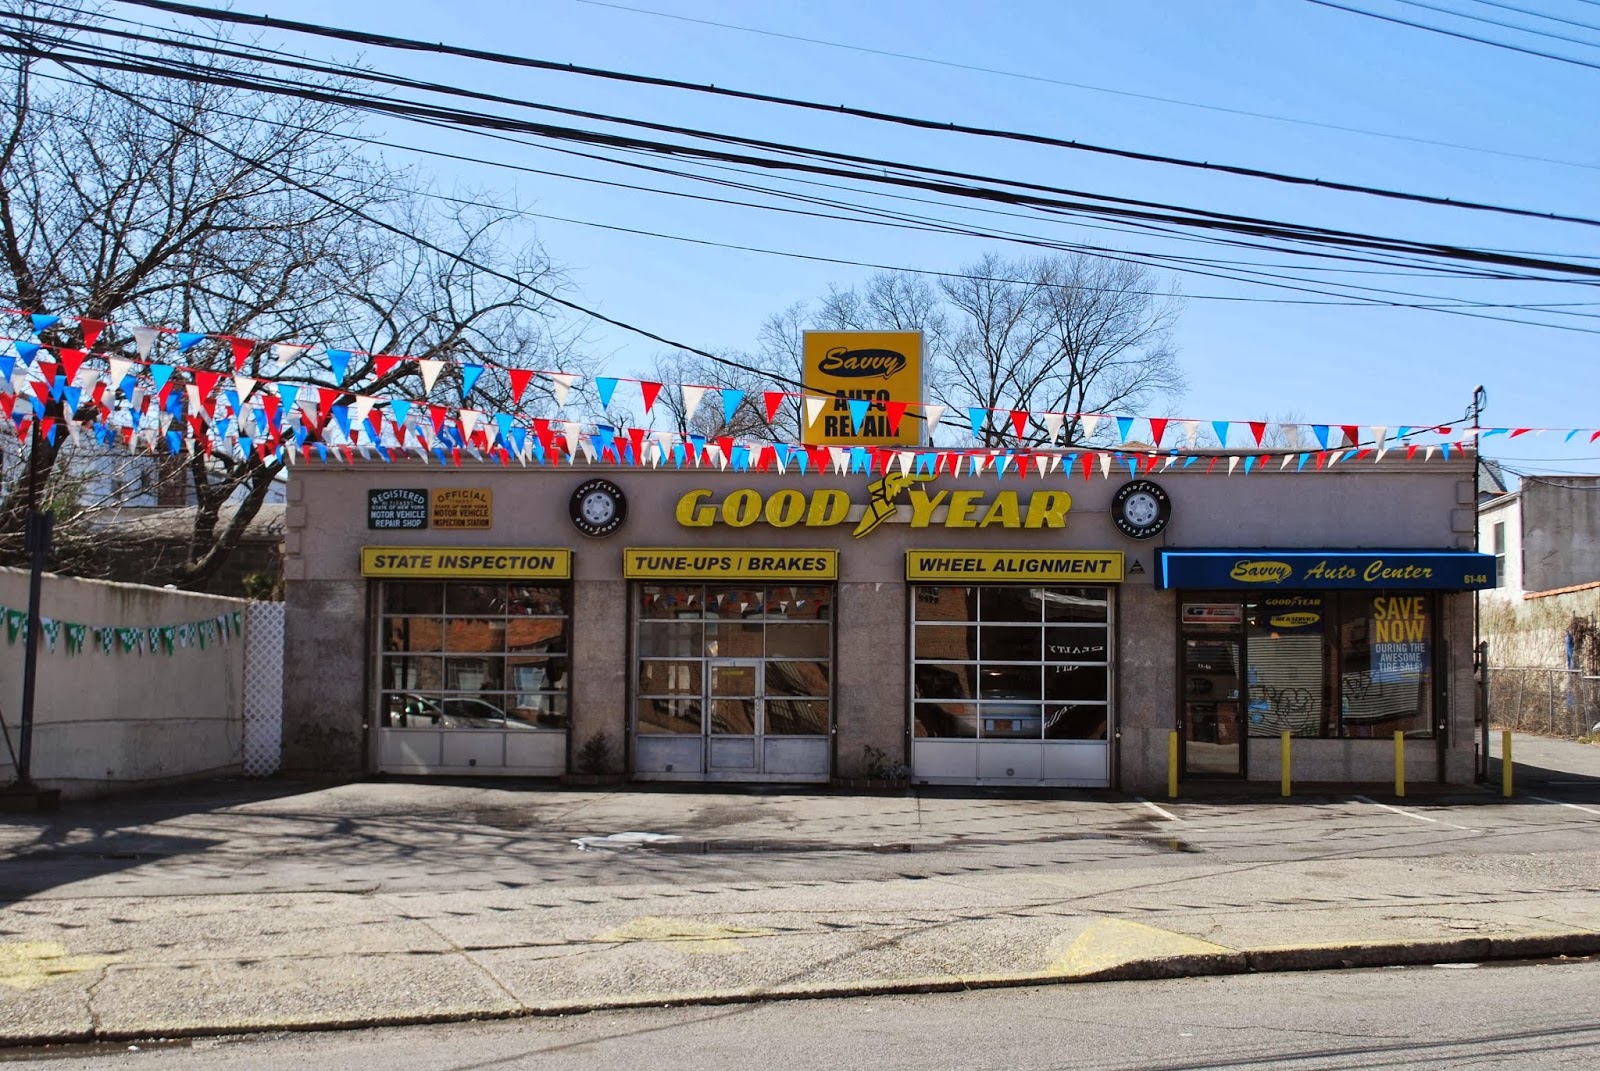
[744,626]
[1542,622]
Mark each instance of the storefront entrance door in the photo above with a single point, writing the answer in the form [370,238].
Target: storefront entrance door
[733,703]
[1213,723]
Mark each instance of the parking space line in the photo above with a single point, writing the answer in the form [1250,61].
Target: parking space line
[1564,803]
[1418,817]
[1168,815]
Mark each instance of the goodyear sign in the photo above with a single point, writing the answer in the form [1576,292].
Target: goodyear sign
[827,507]
[467,563]
[1094,566]
[728,563]
[1442,570]
[871,367]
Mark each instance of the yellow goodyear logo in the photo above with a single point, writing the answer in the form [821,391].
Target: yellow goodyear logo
[1301,620]
[1264,572]
[881,495]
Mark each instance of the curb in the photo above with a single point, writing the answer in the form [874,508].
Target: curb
[1253,961]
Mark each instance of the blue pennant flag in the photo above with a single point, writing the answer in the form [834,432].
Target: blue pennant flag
[1124,426]
[858,413]
[975,418]
[677,455]
[1133,465]
[1446,448]
[605,386]
[71,395]
[43,322]
[57,385]
[781,451]
[1321,432]
[341,416]
[322,451]
[174,443]
[802,459]
[1221,428]
[1002,463]
[338,363]
[730,403]
[469,378]
[399,410]
[859,461]
[7,366]
[159,374]
[537,449]
[1249,463]
[1301,464]
[699,444]
[519,439]
[1190,460]
[383,451]
[605,438]
[188,340]
[27,351]
[174,404]
[289,393]
[741,459]
[503,422]
[1405,429]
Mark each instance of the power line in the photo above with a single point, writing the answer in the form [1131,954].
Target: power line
[951,64]
[879,173]
[1538,14]
[1496,22]
[507,59]
[1430,29]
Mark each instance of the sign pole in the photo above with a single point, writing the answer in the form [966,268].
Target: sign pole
[37,529]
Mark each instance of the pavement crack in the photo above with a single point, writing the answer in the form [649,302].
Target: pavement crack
[461,951]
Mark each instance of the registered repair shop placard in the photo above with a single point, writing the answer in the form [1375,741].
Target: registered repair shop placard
[397,507]
[463,507]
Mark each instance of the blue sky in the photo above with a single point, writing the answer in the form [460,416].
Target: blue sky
[1336,365]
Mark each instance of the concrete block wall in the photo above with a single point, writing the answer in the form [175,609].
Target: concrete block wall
[105,723]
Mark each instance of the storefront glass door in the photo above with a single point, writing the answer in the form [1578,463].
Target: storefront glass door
[1213,730]
[734,715]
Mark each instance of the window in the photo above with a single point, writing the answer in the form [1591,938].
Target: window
[473,656]
[1349,664]
[1010,662]
[695,638]
[1499,554]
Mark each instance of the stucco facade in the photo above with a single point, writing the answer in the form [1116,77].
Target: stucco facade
[331,685]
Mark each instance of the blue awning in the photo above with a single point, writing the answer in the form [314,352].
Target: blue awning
[1437,570]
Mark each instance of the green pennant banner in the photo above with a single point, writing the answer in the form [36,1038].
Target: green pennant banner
[107,639]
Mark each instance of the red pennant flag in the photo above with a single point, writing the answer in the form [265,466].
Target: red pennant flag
[1212,465]
[438,413]
[383,364]
[5,404]
[1150,462]
[1363,452]
[71,360]
[1322,455]
[46,424]
[455,455]
[207,382]
[1258,428]
[725,442]
[636,439]
[649,390]
[22,430]
[1019,422]
[47,369]
[819,457]
[1352,432]
[1158,428]
[520,378]
[242,348]
[897,412]
[375,418]
[1088,465]
[1411,451]
[327,397]
[269,402]
[1518,431]
[41,387]
[773,400]
[547,439]
[97,394]
[91,331]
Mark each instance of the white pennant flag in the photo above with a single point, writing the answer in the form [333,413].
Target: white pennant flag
[1042,463]
[242,385]
[119,370]
[1172,459]
[430,369]
[284,352]
[718,456]
[363,406]
[1191,429]
[1427,454]
[561,385]
[1286,459]
[691,401]
[588,450]
[1381,433]
[1088,422]
[904,459]
[1233,463]
[1291,435]
[931,415]
[814,409]
[1105,466]
[1052,425]
[574,435]
[469,420]
[841,458]
[144,338]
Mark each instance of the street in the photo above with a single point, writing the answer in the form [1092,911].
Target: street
[1541,1015]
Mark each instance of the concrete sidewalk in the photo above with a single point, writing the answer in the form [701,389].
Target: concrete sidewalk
[248,907]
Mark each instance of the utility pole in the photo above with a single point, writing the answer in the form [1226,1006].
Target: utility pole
[1480,656]
[37,526]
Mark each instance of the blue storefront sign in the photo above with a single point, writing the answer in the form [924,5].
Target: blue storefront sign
[1433,570]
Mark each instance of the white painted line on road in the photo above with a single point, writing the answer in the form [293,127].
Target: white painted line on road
[1418,817]
[1574,806]
[1168,815]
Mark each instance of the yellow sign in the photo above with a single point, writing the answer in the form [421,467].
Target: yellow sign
[1068,565]
[463,507]
[717,563]
[830,506]
[874,367]
[467,563]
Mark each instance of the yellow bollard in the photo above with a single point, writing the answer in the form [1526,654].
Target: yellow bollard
[1172,765]
[1400,764]
[1505,764]
[1284,763]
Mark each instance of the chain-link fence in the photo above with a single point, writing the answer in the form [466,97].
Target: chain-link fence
[1552,702]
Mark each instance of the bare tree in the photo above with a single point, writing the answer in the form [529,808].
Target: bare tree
[711,418]
[210,208]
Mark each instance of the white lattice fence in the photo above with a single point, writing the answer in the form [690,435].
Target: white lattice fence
[263,688]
